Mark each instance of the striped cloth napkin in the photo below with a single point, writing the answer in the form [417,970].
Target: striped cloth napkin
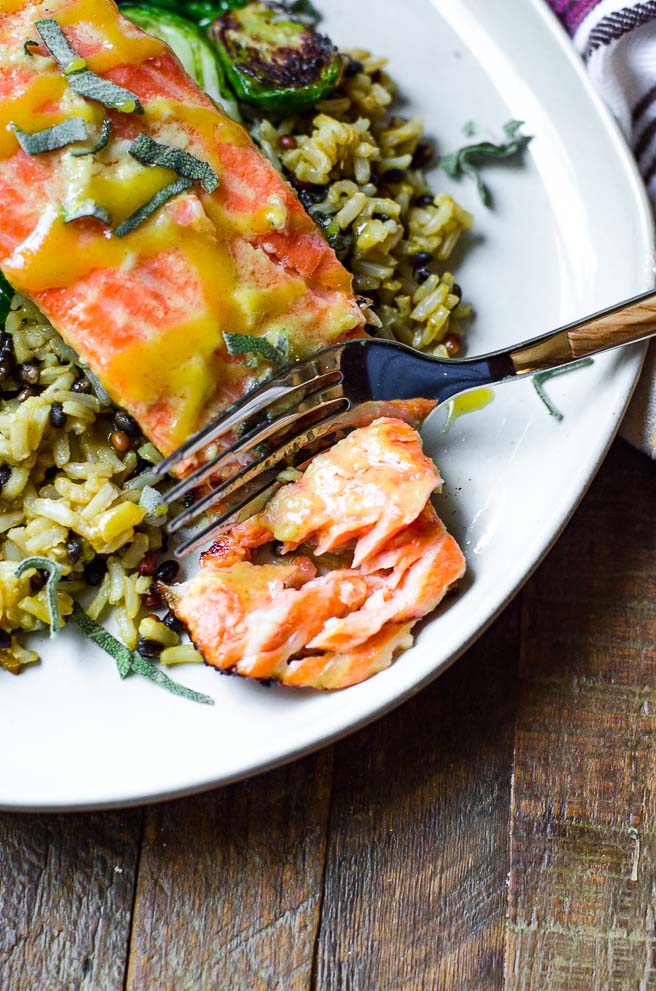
[618,44]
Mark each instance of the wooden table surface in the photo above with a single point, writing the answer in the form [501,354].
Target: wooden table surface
[496,832]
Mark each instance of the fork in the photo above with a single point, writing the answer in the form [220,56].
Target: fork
[299,411]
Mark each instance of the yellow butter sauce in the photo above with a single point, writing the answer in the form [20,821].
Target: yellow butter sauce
[118,46]
[470,402]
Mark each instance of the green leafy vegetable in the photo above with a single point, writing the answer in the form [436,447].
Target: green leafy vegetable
[304,10]
[274,59]
[51,138]
[191,46]
[201,12]
[187,166]
[129,661]
[80,79]
[85,208]
[54,578]
[6,296]
[467,160]
[541,377]
[145,211]
[101,143]
[244,344]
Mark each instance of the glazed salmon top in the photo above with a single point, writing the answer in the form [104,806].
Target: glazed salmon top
[148,308]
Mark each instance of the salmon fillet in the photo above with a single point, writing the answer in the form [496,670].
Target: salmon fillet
[366,500]
[148,311]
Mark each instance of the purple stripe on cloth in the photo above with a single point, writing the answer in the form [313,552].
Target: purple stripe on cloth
[643,104]
[645,139]
[572,12]
[614,25]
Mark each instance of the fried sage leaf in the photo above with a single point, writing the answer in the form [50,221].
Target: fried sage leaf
[54,578]
[145,211]
[467,160]
[51,138]
[101,143]
[80,79]
[187,166]
[245,344]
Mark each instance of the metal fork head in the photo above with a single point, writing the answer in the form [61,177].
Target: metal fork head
[284,422]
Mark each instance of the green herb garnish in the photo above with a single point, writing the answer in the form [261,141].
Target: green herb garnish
[85,208]
[28,46]
[129,661]
[304,10]
[467,160]
[541,377]
[244,344]
[54,578]
[101,143]
[80,79]
[6,296]
[145,211]
[51,138]
[150,152]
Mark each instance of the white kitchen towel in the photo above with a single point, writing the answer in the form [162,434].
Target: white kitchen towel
[618,44]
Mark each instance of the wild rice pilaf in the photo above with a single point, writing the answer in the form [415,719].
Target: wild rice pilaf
[75,473]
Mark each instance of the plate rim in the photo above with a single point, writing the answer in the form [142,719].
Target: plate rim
[258,766]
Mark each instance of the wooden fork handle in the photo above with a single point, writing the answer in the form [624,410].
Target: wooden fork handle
[629,322]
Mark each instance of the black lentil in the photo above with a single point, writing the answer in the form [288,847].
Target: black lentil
[38,580]
[353,67]
[149,648]
[74,547]
[167,572]
[394,176]
[421,258]
[82,385]
[94,571]
[189,499]
[57,416]
[422,274]
[426,199]
[28,373]
[173,623]
[457,291]
[381,216]
[423,156]
[5,639]
[123,421]
[7,365]
[5,475]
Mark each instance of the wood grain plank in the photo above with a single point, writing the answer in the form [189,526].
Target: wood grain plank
[582,896]
[66,892]
[415,892]
[229,886]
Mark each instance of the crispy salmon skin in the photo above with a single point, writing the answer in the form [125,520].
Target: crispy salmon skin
[148,309]
[366,500]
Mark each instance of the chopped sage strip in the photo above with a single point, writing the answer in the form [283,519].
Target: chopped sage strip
[244,344]
[150,152]
[51,138]
[145,211]
[85,208]
[29,45]
[101,143]
[467,160]
[54,578]
[55,41]
[82,80]
[541,377]
[129,661]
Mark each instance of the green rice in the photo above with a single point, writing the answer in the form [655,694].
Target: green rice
[351,160]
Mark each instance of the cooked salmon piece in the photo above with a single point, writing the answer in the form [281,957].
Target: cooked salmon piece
[367,500]
[148,310]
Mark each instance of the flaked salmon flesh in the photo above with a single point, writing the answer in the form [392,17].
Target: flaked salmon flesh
[367,500]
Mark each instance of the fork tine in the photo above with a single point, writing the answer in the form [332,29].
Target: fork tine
[285,384]
[247,506]
[323,413]
[259,434]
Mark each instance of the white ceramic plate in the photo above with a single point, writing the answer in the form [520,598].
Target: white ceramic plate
[570,233]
